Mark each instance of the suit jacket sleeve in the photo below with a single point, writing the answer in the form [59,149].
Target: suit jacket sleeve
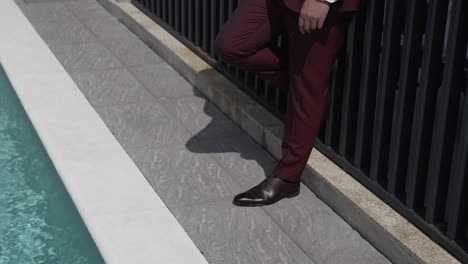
[338,5]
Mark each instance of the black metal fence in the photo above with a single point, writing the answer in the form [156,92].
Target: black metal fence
[398,119]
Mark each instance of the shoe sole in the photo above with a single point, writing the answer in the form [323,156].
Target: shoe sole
[292,195]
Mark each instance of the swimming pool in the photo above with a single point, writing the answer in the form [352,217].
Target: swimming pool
[38,220]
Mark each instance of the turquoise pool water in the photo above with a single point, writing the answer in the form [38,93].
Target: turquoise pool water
[38,221]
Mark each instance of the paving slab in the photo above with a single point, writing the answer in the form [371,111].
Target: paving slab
[85,9]
[111,87]
[163,81]
[246,161]
[202,118]
[70,31]
[108,28]
[42,1]
[182,177]
[143,125]
[227,234]
[133,52]
[85,57]
[320,232]
[46,12]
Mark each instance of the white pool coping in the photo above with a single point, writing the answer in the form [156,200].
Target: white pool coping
[126,218]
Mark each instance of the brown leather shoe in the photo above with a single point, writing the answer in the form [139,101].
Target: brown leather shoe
[269,191]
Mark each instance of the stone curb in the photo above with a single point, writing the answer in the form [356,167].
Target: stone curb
[377,222]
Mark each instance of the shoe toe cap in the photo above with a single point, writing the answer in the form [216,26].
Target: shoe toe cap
[245,199]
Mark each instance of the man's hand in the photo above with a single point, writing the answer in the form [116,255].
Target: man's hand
[313,15]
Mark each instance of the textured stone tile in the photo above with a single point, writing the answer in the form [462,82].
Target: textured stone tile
[45,1]
[246,161]
[202,118]
[218,131]
[143,125]
[85,9]
[85,57]
[195,112]
[163,81]
[181,177]
[46,12]
[326,237]
[108,29]
[66,32]
[109,87]
[230,235]
[133,52]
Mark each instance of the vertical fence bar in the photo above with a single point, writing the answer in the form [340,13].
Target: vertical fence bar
[387,84]
[458,185]
[246,80]
[221,19]
[205,25]
[198,22]
[371,57]
[170,12]
[222,13]
[336,101]
[213,27]
[183,17]
[351,83]
[329,119]
[443,130]
[190,21]
[430,80]
[411,57]
[152,6]
[230,7]
[177,16]
[164,10]
[158,8]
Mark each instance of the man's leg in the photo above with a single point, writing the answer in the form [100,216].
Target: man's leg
[244,40]
[311,56]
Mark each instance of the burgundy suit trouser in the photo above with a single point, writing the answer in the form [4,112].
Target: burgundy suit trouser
[303,69]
